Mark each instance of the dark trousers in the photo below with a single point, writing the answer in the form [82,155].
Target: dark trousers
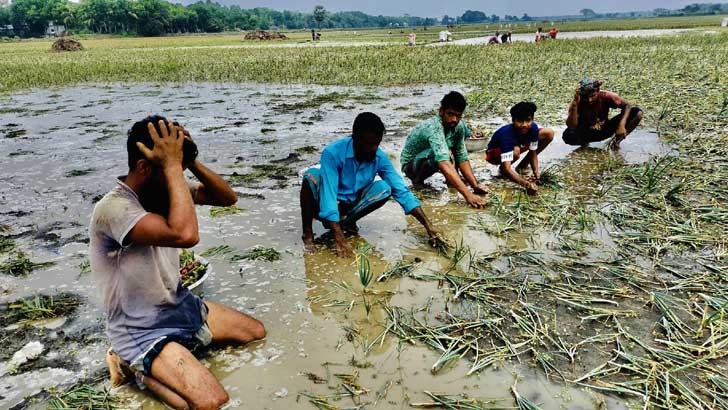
[584,135]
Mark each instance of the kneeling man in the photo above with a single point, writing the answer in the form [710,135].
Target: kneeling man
[154,323]
[511,141]
[343,190]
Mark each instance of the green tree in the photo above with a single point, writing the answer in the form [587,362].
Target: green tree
[588,13]
[319,14]
[152,17]
[4,15]
[33,16]
[472,16]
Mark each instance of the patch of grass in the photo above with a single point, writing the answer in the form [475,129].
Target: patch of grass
[218,211]
[19,264]
[38,307]
[308,149]
[79,172]
[83,396]
[258,253]
[6,244]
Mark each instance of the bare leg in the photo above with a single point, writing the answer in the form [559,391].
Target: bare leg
[177,369]
[545,136]
[230,326]
[632,124]
[309,208]
[121,373]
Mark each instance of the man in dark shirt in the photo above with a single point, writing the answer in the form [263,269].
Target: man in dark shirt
[589,121]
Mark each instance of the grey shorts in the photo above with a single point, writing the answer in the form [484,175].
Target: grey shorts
[143,363]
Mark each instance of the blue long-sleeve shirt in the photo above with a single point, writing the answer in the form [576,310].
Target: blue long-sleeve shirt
[343,178]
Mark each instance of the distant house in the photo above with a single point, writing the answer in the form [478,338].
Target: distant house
[7,31]
[55,30]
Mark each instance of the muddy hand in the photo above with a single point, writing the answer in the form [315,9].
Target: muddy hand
[531,188]
[343,250]
[476,201]
[167,147]
[480,189]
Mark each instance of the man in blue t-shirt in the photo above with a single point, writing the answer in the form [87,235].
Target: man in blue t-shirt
[512,140]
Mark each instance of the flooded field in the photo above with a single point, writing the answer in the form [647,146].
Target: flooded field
[63,148]
[529,37]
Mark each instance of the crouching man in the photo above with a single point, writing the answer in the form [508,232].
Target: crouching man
[343,190]
[511,142]
[154,323]
[589,121]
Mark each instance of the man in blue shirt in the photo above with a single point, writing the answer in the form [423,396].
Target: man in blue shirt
[512,140]
[343,190]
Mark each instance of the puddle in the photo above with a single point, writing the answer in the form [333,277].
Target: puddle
[71,158]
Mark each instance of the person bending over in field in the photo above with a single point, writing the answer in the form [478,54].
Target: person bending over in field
[343,189]
[589,121]
[438,144]
[137,229]
[510,142]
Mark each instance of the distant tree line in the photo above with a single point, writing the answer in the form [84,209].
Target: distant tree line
[158,17]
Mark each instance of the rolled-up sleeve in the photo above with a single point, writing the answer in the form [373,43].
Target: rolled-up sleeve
[328,206]
[400,192]
[459,151]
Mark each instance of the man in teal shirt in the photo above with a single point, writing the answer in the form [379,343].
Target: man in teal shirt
[343,189]
[433,144]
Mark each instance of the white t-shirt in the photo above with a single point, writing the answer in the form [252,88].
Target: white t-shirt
[139,285]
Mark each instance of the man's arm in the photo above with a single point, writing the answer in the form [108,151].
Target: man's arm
[328,206]
[453,178]
[621,131]
[467,172]
[402,194]
[179,229]
[572,121]
[513,175]
[214,189]
[419,214]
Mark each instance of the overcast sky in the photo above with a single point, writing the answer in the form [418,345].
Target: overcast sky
[438,8]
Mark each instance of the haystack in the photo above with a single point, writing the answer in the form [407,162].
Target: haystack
[66,44]
[264,35]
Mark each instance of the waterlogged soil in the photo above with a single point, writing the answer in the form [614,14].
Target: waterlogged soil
[68,145]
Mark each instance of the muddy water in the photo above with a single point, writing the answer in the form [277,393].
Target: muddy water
[68,147]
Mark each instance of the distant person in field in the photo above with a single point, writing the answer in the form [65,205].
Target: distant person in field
[506,37]
[412,39]
[554,31]
[539,34]
[521,139]
[343,189]
[313,35]
[589,121]
[438,145]
[495,39]
[137,230]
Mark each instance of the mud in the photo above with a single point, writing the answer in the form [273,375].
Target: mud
[315,324]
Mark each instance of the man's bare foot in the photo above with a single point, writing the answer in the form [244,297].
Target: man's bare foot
[308,244]
[115,373]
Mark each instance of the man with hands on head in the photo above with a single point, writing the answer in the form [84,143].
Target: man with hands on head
[432,144]
[137,229]
[343,189]
[511,141]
